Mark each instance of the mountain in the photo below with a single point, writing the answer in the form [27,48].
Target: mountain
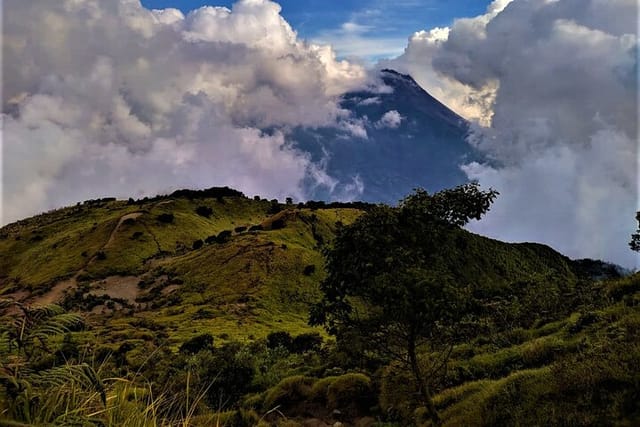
[209,291]
[212,248]
[255,262]
[400,138]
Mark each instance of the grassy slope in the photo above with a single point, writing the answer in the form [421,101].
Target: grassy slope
[241,289]
[254,284]
[581,370]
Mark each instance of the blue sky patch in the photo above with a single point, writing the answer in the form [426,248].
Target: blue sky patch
[357,29]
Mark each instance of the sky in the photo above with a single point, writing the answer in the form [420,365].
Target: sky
[357,29]
[112,98]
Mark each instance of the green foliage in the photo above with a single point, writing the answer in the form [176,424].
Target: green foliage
[279,339]
[198,343]
[396,262]
[166,218]
[26,383]
[289,392]
[204,211]
[352,394]
[310,341]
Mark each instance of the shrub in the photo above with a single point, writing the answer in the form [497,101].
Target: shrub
[100,256]
[278,224]
[197,244]
[309,270]
[321,388]
[240,229]
[279,339]
[288,392]
[166,218]
[351,393]
[211,239]
[213,192]
[256,228]
[197,344]
[223,236]
[274,207]
[204,211]
[310,341]
[136,235]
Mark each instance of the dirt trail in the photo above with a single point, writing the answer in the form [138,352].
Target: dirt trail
[56,293]
[112,236]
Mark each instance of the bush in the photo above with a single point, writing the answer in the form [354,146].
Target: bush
[213,192]
[279,339]
[288,392]
[274,207]
[309,270]
[166,218]
[223,236]
[101,256]
[197,244]
[211,239]
[197,344]
[321,388]
[204,211]
[310,341]
[278,224]
[240,229]
[256,228]
[351,394]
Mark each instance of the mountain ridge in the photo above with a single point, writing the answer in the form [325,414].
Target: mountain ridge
[421,143]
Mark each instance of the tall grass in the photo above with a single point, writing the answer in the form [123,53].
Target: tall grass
[34,393]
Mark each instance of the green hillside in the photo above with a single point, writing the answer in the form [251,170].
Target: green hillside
[208,294]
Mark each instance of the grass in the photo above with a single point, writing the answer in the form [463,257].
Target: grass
[233,289]
[259,282]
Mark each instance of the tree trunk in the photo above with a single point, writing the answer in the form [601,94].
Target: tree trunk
[423,387]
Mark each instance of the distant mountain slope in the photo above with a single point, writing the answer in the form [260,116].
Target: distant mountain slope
[412,140]
[215,259]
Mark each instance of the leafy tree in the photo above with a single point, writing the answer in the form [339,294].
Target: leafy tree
[389,276]
[279,339]
[635,237]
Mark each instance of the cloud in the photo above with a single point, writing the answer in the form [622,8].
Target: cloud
[391,119]
[357,43]
[555,85]
[109,98]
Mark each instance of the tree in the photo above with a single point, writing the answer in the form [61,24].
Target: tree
[389,276]
[635,237]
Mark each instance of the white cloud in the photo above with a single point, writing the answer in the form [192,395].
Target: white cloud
[109,98]
[391,119]
[555,84]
